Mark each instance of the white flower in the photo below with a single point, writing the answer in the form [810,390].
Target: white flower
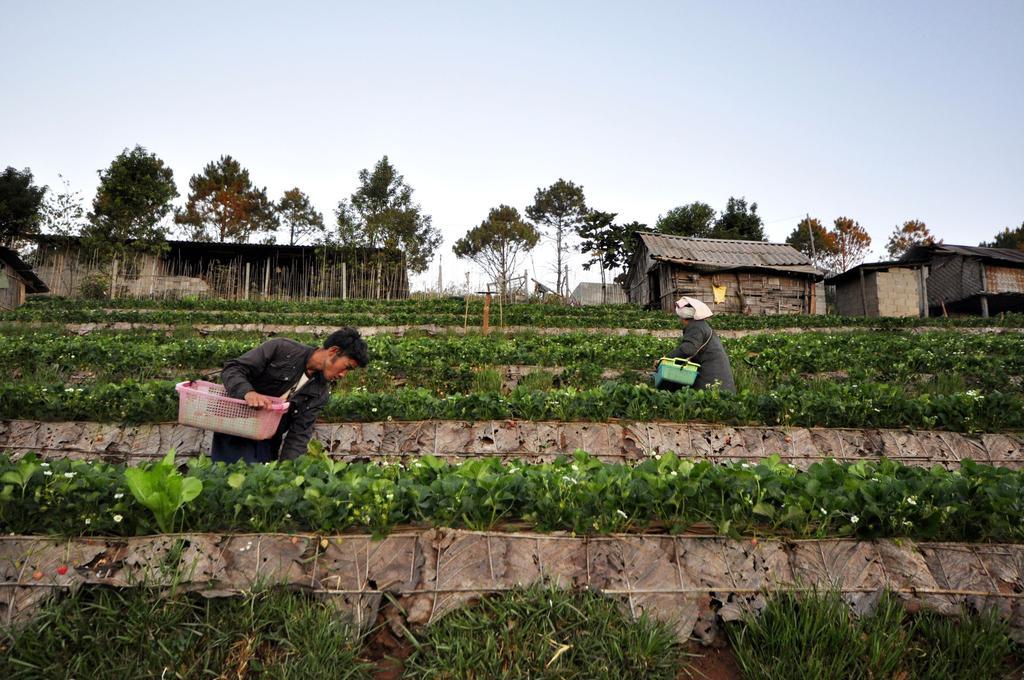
[118,518]
[47,473]
[69,475]
[824,511]
[854,519]
[118,496]
[745,466]
[624,515]
[88,521]
[912,500]
[44,464]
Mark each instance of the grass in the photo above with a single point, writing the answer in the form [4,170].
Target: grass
[541,633]
[106,633]
[537,381]
[487,380]
[817,636]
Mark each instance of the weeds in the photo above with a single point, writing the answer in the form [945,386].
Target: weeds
[105,633]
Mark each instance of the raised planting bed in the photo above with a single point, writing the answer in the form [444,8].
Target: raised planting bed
[453,441]
[578,493]
[450,362]
[439,312]
[365,329]
[696,583]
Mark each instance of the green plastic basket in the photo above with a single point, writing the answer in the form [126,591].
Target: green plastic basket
[676,371]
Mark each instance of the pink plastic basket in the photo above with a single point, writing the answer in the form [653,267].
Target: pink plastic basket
[206,405]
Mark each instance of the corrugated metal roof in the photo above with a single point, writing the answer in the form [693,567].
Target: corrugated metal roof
[1001,254]
[723,252]
[590,293]
[841,277]
[33,284]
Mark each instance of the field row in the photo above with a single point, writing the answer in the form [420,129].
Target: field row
[437,312]
[537,632]
[817,404]
[941,361]
[578,493]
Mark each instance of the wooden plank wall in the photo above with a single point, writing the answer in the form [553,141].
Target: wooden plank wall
[754,293]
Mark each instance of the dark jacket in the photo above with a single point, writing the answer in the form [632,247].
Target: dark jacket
[714,362]
[272,369]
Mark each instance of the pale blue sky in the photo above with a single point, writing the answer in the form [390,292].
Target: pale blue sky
[882,111]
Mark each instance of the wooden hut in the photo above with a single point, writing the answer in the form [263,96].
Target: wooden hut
[738,277]
[16,280]
[971,279]
[881,289]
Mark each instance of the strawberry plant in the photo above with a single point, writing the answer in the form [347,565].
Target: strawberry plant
[575,493]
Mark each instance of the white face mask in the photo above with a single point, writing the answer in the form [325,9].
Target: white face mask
[685,312]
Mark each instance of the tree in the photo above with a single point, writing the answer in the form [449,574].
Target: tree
[739,221]
[852,244]
[131,202]
[912,233]
[561,208]
[610,245]
[825,248]
[497,244]
[300,218]
[1007,238]
[20,204]
[62,212]
[224,205]
[694,219]
[382,214]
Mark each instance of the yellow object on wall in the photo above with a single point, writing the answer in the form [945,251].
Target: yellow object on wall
[719,293]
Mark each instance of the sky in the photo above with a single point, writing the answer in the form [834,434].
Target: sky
[880,111]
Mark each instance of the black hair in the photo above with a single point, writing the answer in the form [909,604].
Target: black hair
[350,343]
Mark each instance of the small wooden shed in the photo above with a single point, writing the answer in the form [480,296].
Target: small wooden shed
[738,277]
[587,293]
[16,280]
[881,289]
[971,279]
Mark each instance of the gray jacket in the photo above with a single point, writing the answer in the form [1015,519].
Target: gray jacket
[272,369]
[701,345]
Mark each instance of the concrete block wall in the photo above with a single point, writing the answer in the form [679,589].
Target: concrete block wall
[897,292]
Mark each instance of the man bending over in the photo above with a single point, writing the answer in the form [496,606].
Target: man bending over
[299,373]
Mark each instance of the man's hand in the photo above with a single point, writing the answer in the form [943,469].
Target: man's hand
[656,364]
[257,400]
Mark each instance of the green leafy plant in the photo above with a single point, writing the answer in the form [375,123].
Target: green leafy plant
[573,493]
[162,489]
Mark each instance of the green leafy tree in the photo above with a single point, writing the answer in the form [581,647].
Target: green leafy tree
[739,221]
[693,219]
[20,206]
[300,218]
[381,214]
[497,244]
[131,204]
[903,238]
[610,245]
[1007,238]
[852,244]
[561,208]
[824,248]
[224,205]
[63,213]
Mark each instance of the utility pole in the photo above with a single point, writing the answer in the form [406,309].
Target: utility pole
[810,234]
